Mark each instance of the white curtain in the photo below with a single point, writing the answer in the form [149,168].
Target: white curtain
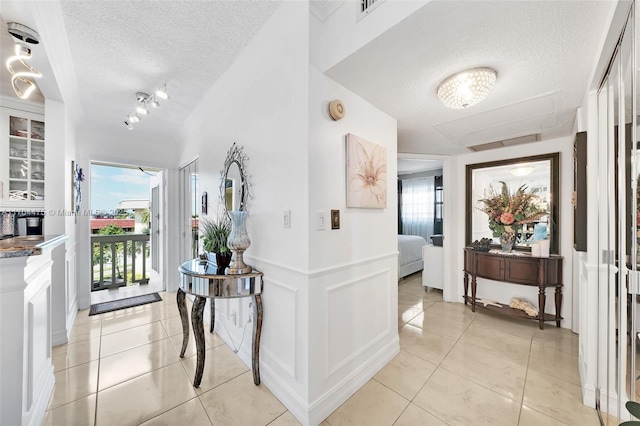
[418,207]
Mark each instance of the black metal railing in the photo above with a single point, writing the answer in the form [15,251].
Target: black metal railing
[119,260]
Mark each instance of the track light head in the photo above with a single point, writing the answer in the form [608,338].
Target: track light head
[162,93]
[144,101]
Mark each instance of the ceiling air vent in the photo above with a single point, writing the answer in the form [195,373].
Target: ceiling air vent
[366,6]
[535,137]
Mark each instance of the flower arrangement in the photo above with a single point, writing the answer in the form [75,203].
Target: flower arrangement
[508,212]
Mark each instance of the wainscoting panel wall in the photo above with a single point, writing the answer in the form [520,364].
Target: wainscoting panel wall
[354,327]
[280,328]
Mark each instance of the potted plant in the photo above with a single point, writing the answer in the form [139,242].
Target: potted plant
[214,235]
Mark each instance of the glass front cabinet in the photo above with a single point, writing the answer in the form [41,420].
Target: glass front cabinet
[22,149]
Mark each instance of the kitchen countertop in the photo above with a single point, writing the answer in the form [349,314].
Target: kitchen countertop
[28,245]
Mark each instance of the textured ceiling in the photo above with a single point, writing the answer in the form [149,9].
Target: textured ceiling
[543,52]
[120,48]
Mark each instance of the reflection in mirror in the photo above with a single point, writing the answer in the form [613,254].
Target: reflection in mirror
[234,184]
[233,187]
[538,174]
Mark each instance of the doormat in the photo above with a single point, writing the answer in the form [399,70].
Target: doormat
[129,302]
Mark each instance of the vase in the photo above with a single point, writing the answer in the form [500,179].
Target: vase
[506,240]
[223,260]
[238,242]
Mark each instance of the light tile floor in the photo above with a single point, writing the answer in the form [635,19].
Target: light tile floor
[454,368]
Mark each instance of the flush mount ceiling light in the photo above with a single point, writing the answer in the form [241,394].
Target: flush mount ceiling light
[21,81]
[145,100]
[466,88]
[521,170]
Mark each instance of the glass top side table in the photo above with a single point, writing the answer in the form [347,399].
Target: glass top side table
[205,281]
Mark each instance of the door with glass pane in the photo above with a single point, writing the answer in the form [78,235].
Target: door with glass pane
[189,211]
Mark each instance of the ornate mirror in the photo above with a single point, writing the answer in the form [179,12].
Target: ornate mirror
[234,185]
[537,175]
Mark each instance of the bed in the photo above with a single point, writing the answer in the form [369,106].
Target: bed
[410,257]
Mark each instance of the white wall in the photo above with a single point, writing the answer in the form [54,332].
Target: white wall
[503,292]
[273,105]
[261,103]
[342,33]
[353,287]
[54,223]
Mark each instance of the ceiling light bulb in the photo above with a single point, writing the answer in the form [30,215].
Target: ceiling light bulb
[142,110]
[466,88]
[154,103]
[133,118]
[128,125]
[162,94]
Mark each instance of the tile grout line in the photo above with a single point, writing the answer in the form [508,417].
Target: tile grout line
[526,375]
[95,411]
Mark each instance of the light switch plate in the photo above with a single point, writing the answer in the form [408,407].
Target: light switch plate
[321,220]
[286,219]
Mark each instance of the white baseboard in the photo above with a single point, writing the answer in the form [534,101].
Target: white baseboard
[60,337]
[289,398]
[42,399]
[322,407]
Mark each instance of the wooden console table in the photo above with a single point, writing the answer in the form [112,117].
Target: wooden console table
[519,268]
[205,281]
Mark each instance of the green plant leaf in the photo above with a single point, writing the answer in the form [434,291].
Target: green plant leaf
[634,408]
[630,423]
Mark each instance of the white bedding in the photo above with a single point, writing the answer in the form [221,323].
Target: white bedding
[410,257]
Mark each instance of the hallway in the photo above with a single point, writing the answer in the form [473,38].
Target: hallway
[454,368]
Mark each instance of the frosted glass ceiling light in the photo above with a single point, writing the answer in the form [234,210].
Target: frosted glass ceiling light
[466,88]
[133,118]
[142,110]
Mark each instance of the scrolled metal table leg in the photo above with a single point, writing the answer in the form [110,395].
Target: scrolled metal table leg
[213,314]
[257,331]
[182,308]
[198,332]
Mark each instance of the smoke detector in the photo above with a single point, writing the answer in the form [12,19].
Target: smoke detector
[22,33]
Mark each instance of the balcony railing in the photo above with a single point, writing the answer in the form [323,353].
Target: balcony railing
[119,260]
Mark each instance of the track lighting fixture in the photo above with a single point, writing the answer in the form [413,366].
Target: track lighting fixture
[21,81]
[144,102]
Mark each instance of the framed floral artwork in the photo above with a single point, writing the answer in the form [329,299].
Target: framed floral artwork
[366,173]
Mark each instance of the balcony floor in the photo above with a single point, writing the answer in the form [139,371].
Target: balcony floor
[155,285]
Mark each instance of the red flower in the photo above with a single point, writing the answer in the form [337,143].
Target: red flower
[507,218]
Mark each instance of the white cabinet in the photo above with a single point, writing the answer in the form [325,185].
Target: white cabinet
[432,271]
[27,378]
[22,157]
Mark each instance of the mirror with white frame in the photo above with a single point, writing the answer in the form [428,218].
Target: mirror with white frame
[538,173]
